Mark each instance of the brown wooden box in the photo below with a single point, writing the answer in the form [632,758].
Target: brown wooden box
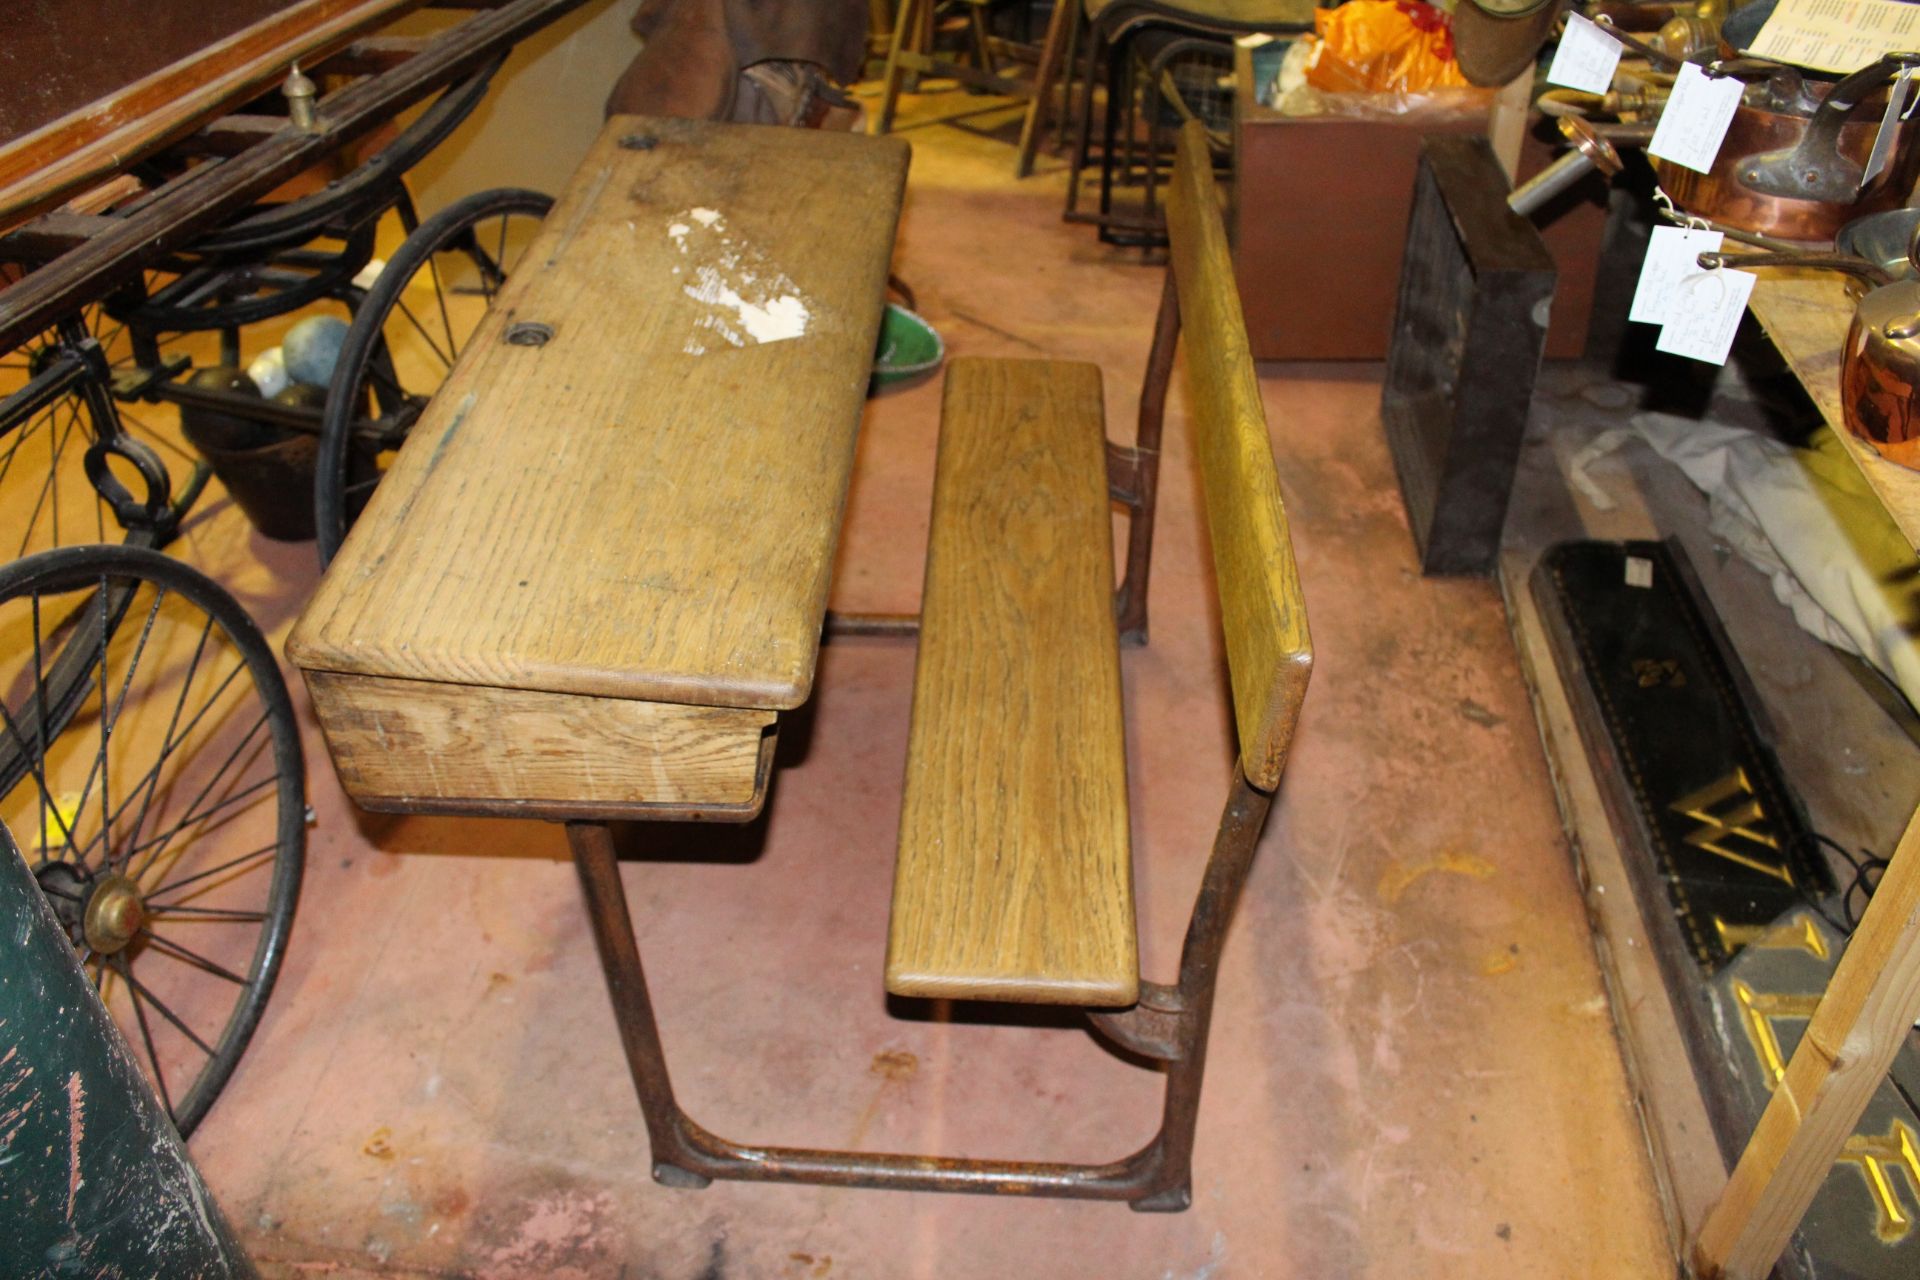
[1319,220]
[1319,226]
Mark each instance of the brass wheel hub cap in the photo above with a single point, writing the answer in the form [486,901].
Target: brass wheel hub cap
[114,914]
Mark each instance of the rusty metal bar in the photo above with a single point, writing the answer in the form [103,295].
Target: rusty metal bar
[900,626]
[1170,1024]
[1130,601]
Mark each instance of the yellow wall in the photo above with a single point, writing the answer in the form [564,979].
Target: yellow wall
[541,112]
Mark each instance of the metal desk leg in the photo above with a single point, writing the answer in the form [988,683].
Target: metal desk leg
[1169,1025]
[627,985]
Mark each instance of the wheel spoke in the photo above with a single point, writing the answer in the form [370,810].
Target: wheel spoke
[139,989]
[159,843]
[36,765]
[186,955]
[100,764]
[20,435]
[110,716]
[60,437]
[421,329]
[148,784]
[440,298]
[220,914]
[214,781]
[121,967]
[99,769]
[228,865]
[40,693]
[157,436]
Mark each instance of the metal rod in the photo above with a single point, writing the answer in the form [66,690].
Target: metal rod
[1590,151]
[900,626]
[1130,601]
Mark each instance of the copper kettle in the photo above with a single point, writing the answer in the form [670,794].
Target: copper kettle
[1880,361]
[1880,370]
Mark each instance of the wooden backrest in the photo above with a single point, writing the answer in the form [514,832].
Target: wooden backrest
[1269,653]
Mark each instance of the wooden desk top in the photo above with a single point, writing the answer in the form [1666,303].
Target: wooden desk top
[1806,314]
[646,506]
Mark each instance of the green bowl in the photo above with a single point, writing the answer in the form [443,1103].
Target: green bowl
[909,348]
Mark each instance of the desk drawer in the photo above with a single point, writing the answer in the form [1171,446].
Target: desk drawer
[417,746]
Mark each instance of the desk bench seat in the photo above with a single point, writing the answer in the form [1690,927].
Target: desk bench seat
[1014,875]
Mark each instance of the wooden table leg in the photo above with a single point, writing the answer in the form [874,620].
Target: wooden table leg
[893,80]
[1065,13]
[1866,1015]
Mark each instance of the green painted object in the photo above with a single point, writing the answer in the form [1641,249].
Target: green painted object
[94,1182]
[909,348]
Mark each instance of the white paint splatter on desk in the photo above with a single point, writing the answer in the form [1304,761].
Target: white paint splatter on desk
[745,298]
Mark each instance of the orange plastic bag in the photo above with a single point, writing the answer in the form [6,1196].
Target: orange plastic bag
[1384,46]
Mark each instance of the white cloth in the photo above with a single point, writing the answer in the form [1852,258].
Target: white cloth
[1768,506]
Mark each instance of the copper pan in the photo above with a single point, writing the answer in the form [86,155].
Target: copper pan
[1793,173]
[1722,196]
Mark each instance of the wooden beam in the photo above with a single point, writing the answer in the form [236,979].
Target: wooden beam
[373,55]
[230,135]
[52,234]
[46,166]
[1850,1042]
[200,200]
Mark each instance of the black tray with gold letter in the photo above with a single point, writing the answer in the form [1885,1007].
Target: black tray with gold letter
[1718,846]
[1734,894]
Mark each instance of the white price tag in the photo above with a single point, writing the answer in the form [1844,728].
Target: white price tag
[1707,307]
[1639,572]
[1672,254]
[1586,57]
[1889,125]
[1696,118]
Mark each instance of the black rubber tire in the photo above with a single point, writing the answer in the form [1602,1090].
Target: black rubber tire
[338,494]
[122,572]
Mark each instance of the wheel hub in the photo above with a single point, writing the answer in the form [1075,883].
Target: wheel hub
[115,912]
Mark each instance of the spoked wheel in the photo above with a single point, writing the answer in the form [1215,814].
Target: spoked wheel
[406,335]
[75,467]
[163,811]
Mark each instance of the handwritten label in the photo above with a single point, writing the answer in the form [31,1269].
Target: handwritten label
[1672,254]
[1586,57]
[1837,35]
[1705,312]
[1695,119]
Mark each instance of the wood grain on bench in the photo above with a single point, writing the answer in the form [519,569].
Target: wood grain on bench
[646,506]
[1014,879]
[1269,651]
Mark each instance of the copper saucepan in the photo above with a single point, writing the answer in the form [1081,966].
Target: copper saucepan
[1791,164]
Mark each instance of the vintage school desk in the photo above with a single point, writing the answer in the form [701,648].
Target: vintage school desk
[597,575]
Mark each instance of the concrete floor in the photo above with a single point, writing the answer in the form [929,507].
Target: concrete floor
[1414,1071]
